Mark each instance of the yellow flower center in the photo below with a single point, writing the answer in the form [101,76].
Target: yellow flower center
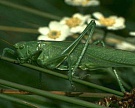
[85,2]
[73,22]
[107,21]
[54,34]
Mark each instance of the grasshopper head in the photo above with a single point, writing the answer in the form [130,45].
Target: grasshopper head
[21,50]
[28,51]
[20,45]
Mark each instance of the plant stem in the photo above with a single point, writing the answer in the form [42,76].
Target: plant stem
[20,101]
[63,93]
[18,29]
[50,95]
[64,77]
[30,10]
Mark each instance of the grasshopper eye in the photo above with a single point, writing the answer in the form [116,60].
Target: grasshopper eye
[21,46]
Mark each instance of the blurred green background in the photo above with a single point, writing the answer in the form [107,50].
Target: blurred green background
[10,16]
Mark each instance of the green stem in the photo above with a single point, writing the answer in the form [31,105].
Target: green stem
[105,34]
[30,10]
[20,101]
[65,77]
[50,95]
[18,29]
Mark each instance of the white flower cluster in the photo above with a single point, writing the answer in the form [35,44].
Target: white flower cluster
[132,33]
[76,23]
[111,22]
[60,30]
[83,3]
[55,32]
[125,46]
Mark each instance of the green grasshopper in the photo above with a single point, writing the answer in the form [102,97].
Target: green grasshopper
[71,55]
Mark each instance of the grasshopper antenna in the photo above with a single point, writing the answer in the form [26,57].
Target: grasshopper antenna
[6,42]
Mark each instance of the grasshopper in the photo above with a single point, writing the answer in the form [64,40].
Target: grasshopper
[71,55]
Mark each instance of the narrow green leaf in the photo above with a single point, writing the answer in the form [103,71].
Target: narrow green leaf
[50,95]
[65,77]
[30,10]
[18,29]
[20,101]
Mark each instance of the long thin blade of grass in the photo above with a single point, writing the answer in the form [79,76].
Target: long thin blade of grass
[64,76]
[50,95]
[20,101]
[18,29]
[30,10]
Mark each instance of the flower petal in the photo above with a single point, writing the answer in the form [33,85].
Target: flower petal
[97,15]
[78,29]
[65,31]
[78,15]
[93,3]
[43,30]
[132,33]
[63,20]
[83,3]
[125,46]
[41,37]
[54,25]
[119,24]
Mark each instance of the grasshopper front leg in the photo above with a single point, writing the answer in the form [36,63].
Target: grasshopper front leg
[8,50]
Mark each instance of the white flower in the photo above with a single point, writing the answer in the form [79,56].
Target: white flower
[55,32]
[111,23]
[132,33]
[125,46]
[76,23]
[83,3]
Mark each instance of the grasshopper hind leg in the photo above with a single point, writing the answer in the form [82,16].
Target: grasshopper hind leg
[70,74]
[65,54]
[90,27]
[118,79]
[113,69]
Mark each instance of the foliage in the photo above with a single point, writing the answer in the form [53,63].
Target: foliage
[20,21]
